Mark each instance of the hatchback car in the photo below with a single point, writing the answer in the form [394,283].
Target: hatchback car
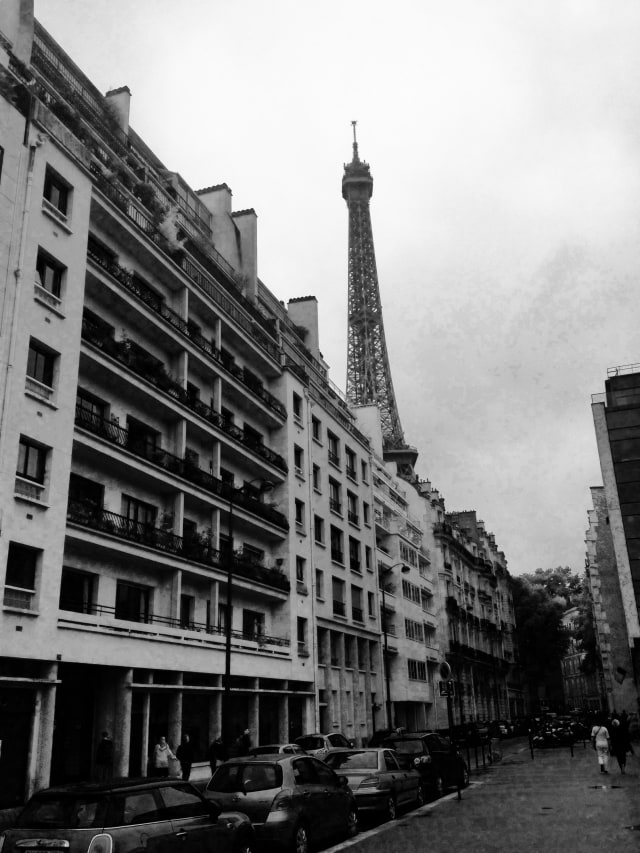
[293,801]
[122,816]
[433,758]
[318,745]
[380,785]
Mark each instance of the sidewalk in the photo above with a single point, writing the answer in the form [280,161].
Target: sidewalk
[551,804]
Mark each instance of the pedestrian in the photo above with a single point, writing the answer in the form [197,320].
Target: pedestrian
[243,743]
[162,752]
[620,744]
[184,754]
[601,742]
[217,753]
[104,758]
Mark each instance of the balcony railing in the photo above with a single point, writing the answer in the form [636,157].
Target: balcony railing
[356,614]
[128,280]
[339,608]
[148,367]
[335,506]
[195,548]
[353,517]
[183,467]
[91,609]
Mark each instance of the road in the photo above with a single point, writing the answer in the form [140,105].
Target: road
[554,803]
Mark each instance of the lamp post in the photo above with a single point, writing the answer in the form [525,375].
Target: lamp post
[265,486]
[387,667]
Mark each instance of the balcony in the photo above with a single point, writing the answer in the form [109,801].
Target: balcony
[194,548]
[339,608]
[128,281]
[81,609]
[353,518]
[182,467]
[335,506]
[146,366]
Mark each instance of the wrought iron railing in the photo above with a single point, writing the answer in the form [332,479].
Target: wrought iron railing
[183,467]
[195,548]
[148,367]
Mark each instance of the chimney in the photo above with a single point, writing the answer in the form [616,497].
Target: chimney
[120,101]
[246,222]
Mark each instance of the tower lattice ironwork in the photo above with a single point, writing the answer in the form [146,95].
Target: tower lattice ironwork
[368,371]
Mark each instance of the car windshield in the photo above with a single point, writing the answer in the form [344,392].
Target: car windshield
[408,747]
[310,742]
[230,778]
[63,812]
[353,761]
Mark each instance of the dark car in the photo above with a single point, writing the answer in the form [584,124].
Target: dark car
[431,755]
[123,816]
[293,801]
[380,785]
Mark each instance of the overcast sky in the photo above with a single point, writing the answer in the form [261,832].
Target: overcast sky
[504,143]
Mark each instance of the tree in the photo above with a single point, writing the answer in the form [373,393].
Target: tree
[560,582]
[542,639]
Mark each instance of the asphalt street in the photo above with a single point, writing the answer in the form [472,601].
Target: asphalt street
[554,803]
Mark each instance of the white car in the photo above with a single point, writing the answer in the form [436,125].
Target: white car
[319,744]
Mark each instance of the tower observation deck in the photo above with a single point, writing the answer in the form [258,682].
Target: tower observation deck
[368,371]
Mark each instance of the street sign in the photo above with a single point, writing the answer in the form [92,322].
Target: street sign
[446,688]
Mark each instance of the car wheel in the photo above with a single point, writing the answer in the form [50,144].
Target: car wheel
[437,787]
[391,809]
[301,841]
[352,822]
[419,797]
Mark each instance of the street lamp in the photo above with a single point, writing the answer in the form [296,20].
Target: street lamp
[265,486]
[383,572]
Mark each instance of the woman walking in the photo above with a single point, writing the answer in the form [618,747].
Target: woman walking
[601,743]
[620,744]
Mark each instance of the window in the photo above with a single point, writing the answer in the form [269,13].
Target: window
[335,496]
[32,459]
[87,492]
[337,552]
[300,569]
[316,478]
[132,602]
[89,409]
[408,555]
[354,555]
[338,588]
[297,408]
[414,630]
[142,439]
[350,458]
[334,448]
[319,584]
[187,610]
[252,437]
[20,578]
[316,429]
[356,604]
[301,624]
[352,508]
[299,514]
[40,366]
[371,603]
[139,512]
[318,529]
[181,802]
[367,557]
[411,592]
[298,460]
[427,599]
[77,591]
[56,195]
[366,513]
[253,624]
[364,468]
[50,274]
[417,670]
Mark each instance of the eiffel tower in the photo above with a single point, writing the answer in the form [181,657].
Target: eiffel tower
[368,371]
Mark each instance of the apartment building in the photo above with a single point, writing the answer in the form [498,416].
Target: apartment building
[186,495]
[480,620]
[582,690]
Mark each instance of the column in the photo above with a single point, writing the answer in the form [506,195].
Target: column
[146,718]
[39,772]
[174,726]
[283,719]
[254,717]
[122,730]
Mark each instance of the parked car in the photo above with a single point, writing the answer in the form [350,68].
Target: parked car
[431,755]
[378,782]
[275,748]
[293,801]
[500,728]
[126,816]
[319,745]
[379,737]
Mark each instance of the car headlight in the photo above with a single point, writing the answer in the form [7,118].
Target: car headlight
[102,843]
